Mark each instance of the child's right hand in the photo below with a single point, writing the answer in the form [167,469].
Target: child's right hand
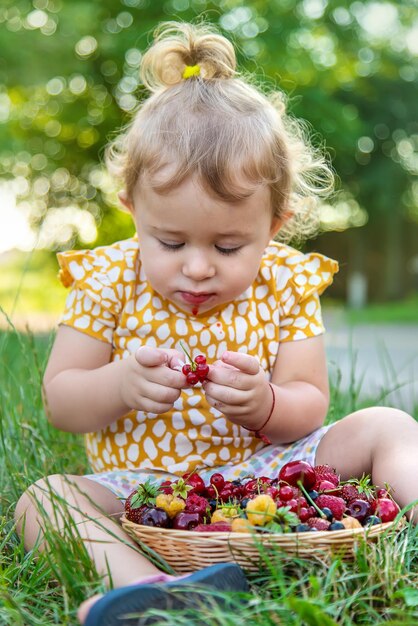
[149,381]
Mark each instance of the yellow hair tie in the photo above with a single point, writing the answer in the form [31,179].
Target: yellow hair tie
[191,70]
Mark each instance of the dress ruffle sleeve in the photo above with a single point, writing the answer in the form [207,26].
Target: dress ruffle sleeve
[92,305]
[301,279]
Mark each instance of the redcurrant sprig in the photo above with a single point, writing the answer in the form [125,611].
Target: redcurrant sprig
[196,370]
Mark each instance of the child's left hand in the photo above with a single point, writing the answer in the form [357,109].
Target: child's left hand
[237,386]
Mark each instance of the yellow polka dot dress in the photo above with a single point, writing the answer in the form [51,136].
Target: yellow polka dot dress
[111,300]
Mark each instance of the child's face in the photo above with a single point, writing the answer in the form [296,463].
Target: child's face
[198,251]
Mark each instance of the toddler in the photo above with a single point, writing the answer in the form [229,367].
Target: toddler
[213,170]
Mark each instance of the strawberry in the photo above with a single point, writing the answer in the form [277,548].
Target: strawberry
[318,523]
[334,503]
[144,496]
[349,492]
[325,472]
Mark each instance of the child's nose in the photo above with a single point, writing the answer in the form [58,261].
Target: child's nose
[198,265]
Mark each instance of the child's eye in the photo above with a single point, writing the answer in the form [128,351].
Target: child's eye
[170,246]
[228,250]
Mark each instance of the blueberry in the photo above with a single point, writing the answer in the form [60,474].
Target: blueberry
[244,502]
[302,528]
[372,520]
[336,526]
[328,513]
[313,494]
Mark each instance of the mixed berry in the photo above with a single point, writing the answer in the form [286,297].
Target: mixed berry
[302,498]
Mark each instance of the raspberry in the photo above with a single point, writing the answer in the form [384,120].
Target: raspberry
[334,503]
[318,523]
[197,504]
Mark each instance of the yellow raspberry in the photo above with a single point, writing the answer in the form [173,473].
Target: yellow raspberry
[224,514]
[261,510]
[241,525]
[171,504]
[350,522]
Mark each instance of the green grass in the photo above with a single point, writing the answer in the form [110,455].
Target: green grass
[29,283]
[399,312]
[39,589]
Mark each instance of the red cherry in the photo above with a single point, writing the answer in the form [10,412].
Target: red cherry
[192,378]
[200,360]
[359,509]
[386,509]
[195,481]
[226,494]
[293,503]
[298,471]
[186,369]
[186,521]
[217,481]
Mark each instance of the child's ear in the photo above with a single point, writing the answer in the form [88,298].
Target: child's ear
[124,199]
[277,223]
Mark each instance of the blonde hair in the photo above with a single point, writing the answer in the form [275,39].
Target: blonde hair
[219,126]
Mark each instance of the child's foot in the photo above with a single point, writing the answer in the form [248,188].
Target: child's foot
[157,592]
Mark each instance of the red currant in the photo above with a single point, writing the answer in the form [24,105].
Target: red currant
[285,493]
[202,370]
[195,371]
[192,378]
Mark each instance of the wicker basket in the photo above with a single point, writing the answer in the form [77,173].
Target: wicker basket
[188,551]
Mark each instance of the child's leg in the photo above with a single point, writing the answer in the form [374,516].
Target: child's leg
[86,501]
[379,441]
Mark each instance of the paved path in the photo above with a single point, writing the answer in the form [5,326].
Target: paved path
[382,360]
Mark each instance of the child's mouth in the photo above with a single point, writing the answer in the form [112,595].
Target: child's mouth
[195,298]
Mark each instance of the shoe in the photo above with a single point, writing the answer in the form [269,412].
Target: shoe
[116,608]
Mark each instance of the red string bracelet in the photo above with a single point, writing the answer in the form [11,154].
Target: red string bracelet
[258,432]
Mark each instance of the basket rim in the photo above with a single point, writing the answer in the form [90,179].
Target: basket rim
[297,536]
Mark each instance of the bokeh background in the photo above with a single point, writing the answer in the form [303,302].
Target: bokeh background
[69,81]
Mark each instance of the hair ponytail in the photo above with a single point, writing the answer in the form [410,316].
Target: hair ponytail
[178,45]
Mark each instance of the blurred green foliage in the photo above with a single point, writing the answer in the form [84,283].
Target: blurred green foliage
[69,74]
